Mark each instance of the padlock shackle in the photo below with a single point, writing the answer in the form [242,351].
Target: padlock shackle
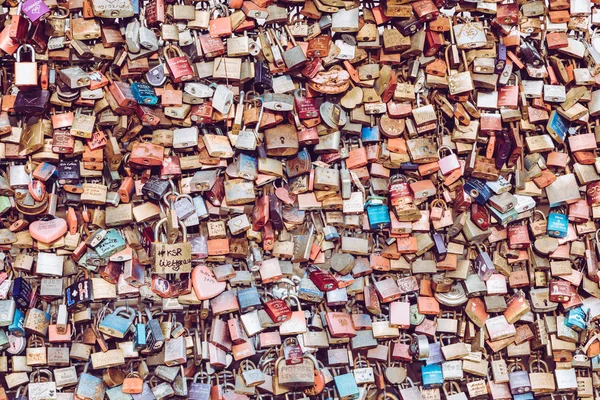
[160,223]
[20,49]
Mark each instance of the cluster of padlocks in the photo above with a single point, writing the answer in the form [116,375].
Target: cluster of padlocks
[293,199]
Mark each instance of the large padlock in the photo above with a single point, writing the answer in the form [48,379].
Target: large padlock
[26,73]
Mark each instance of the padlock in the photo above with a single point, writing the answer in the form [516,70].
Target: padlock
[378,212]
[26,75]
[154,334]
[178,64]
[116,325]
[558,225]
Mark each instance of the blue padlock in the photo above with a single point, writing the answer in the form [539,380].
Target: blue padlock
[595,363]
[377,211]
[309,291]
[557,127]
[47,170]
[248,299]
[558,225]
[139,340]
[370,134]
[155,338]
[346,386]
[112,243]
[432,375]
[22,292]
[523,396]
[146,393]
[117,323]
[478,190]
[90,386]
[409,166]
[576,319]
[378,214]
[330,232]
[435,354]
[144,93]
[116,393]
[247,167]
[17,327]
[136,7]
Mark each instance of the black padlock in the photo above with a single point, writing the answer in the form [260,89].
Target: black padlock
[155,188]
[263,79]
[531,55]
[79,294]
[409,26]
[72,199]
[275,213]
[66,92]
[68,172]
[192,52]
[31,102]
[503,149]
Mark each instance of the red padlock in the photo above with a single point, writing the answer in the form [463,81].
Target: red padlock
[480,216]
[306,107]
[292,352]
[518,236]
[560,291]
[323,280]
[277,309]
[178,64]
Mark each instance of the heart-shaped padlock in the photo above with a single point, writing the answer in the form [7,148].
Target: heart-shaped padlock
[48,230]
[205,284]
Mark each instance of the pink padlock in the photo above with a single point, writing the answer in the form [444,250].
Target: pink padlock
[400,314]
[437,209]
[448,163]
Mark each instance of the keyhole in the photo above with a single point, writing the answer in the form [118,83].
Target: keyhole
[282,140]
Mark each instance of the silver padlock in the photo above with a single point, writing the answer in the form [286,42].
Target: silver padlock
[147,39]
[75,77]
